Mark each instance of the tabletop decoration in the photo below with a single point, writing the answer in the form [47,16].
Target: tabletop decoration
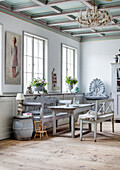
[39,84]
[71,82]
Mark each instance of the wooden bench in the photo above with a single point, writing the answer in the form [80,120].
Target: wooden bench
[39,108]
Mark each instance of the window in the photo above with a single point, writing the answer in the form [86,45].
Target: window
[69,64]
[35,58]
[1,65]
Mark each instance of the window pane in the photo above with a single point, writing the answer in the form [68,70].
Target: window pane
[64,77]
[40,62]
[25,45]
[40,49]
[64,55]
[63,84]
[75,63]
[36,65]
[36,47]
[41,76]
[69,70]
[25,63]
[71,61]
[69,56]
[36,75]
[29,78]
[25,82]
[29,46]
[1,81]
[29,64]
[64,69]
[72,73]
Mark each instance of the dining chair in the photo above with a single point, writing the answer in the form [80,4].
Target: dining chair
[104,110]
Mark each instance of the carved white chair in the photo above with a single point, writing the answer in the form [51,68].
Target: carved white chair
[104,110]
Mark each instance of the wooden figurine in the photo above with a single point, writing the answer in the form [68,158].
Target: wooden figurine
[29,90]
[54,79]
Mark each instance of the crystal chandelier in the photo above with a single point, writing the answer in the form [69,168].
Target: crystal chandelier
[94,18]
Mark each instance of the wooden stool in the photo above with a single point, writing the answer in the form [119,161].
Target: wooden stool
[39,130]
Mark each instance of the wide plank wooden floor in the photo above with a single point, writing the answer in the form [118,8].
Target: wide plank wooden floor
[60,153]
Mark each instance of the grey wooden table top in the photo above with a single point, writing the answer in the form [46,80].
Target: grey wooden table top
[70,107]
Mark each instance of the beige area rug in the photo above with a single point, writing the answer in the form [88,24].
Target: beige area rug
[62,153]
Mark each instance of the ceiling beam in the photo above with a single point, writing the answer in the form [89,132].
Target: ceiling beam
[70,17]
[110,7]
[55,15]
[102,35]
[60,23]
[39,2]
[93,30]
[82,28]
[52,3]
[87,3]
[25,8]
[115,16]
[57,10]
[94,33]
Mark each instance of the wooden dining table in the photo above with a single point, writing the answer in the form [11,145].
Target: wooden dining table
[72,110]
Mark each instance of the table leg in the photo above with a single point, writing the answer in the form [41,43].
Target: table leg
[70,122]
[72,125]
[89,125]
[54,123]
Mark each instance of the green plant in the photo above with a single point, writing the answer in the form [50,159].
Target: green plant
[71,81]
[39,82]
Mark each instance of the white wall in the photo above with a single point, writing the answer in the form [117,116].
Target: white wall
[16,25]
[96,57]
[7,111]
[0,59]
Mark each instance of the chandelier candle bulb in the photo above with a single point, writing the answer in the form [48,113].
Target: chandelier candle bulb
[81,15]
[87,13]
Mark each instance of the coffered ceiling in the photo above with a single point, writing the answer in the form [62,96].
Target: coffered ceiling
[61,15]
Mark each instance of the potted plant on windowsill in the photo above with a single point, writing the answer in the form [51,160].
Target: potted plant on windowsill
[39,84]
[71,82]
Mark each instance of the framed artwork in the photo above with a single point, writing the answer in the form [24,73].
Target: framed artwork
[13,59]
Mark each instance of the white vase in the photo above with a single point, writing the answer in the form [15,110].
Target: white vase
[39,88]
[70,87]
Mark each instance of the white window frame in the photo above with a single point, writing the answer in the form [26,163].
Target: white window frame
[74,63]
[45,57]
[1,58]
